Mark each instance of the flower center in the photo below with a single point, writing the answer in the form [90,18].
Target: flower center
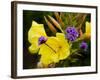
[60,47]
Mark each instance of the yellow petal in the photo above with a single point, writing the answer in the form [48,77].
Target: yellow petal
[36,30]
[45,50]
[87,33]
[33,48]
[61,36]
[48,59]
[88,28]
[53,43]
[45,60]
[64,52]
[47,55]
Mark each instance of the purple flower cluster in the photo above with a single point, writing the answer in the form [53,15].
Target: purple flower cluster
[72,33]
[84,46]
[42,40]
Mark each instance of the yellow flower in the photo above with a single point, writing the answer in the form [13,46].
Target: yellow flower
[55,49]
[87,29]
[34,33]
[51,51]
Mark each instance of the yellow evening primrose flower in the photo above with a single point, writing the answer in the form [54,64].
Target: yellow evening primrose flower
[54,49]
[88,29]
[34,33]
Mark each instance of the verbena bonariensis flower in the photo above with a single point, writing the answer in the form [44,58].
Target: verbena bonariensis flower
[72,33]
[84,46]
[42,40]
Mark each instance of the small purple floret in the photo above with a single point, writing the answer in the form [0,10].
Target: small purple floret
[42,40]
[83,45]
[70,37]
[72,33]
